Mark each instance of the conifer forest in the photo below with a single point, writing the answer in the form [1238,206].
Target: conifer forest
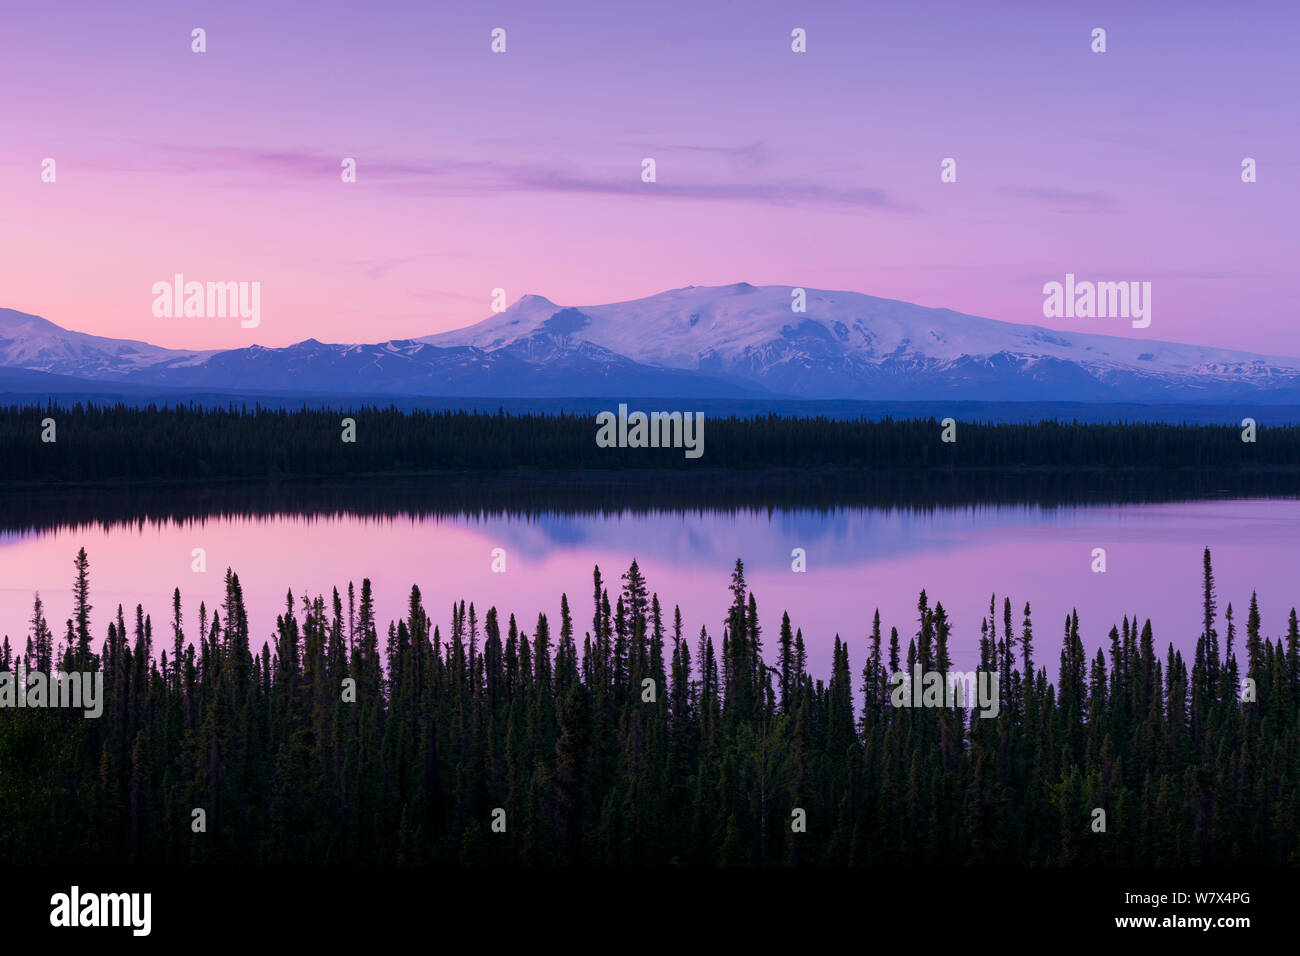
[614,733]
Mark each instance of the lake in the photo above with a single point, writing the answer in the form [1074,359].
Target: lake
[858,559]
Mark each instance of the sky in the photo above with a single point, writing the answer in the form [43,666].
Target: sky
[522,170]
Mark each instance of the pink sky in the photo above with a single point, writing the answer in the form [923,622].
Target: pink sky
[522,170]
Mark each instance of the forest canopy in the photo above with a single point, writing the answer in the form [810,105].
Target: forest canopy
[641,743]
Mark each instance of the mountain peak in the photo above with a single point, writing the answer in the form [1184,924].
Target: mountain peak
[531,300]
[847,345]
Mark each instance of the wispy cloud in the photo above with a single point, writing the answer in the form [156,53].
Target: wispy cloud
[487,177]
[1066,200]
[533,178]
[745,156]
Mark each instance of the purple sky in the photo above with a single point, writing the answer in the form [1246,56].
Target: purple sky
[522,170]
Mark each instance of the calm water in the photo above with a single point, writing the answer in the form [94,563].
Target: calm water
[857,560]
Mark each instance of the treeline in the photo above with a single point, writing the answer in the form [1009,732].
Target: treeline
[63,506]
[178,443]
[642,744]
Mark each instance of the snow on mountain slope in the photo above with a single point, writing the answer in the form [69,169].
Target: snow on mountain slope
[406,367]
[851,345]
[30,342]
[726,341]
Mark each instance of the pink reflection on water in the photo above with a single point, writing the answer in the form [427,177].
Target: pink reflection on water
[857,560]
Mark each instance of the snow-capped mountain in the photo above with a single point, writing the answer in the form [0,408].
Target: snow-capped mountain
[399,367]
[849,345]
[735,341]
[30,342]
[407,367]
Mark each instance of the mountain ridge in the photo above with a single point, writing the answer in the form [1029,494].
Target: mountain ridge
[730,341]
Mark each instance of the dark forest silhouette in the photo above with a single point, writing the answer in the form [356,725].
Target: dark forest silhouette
[557,731]
[182,443]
